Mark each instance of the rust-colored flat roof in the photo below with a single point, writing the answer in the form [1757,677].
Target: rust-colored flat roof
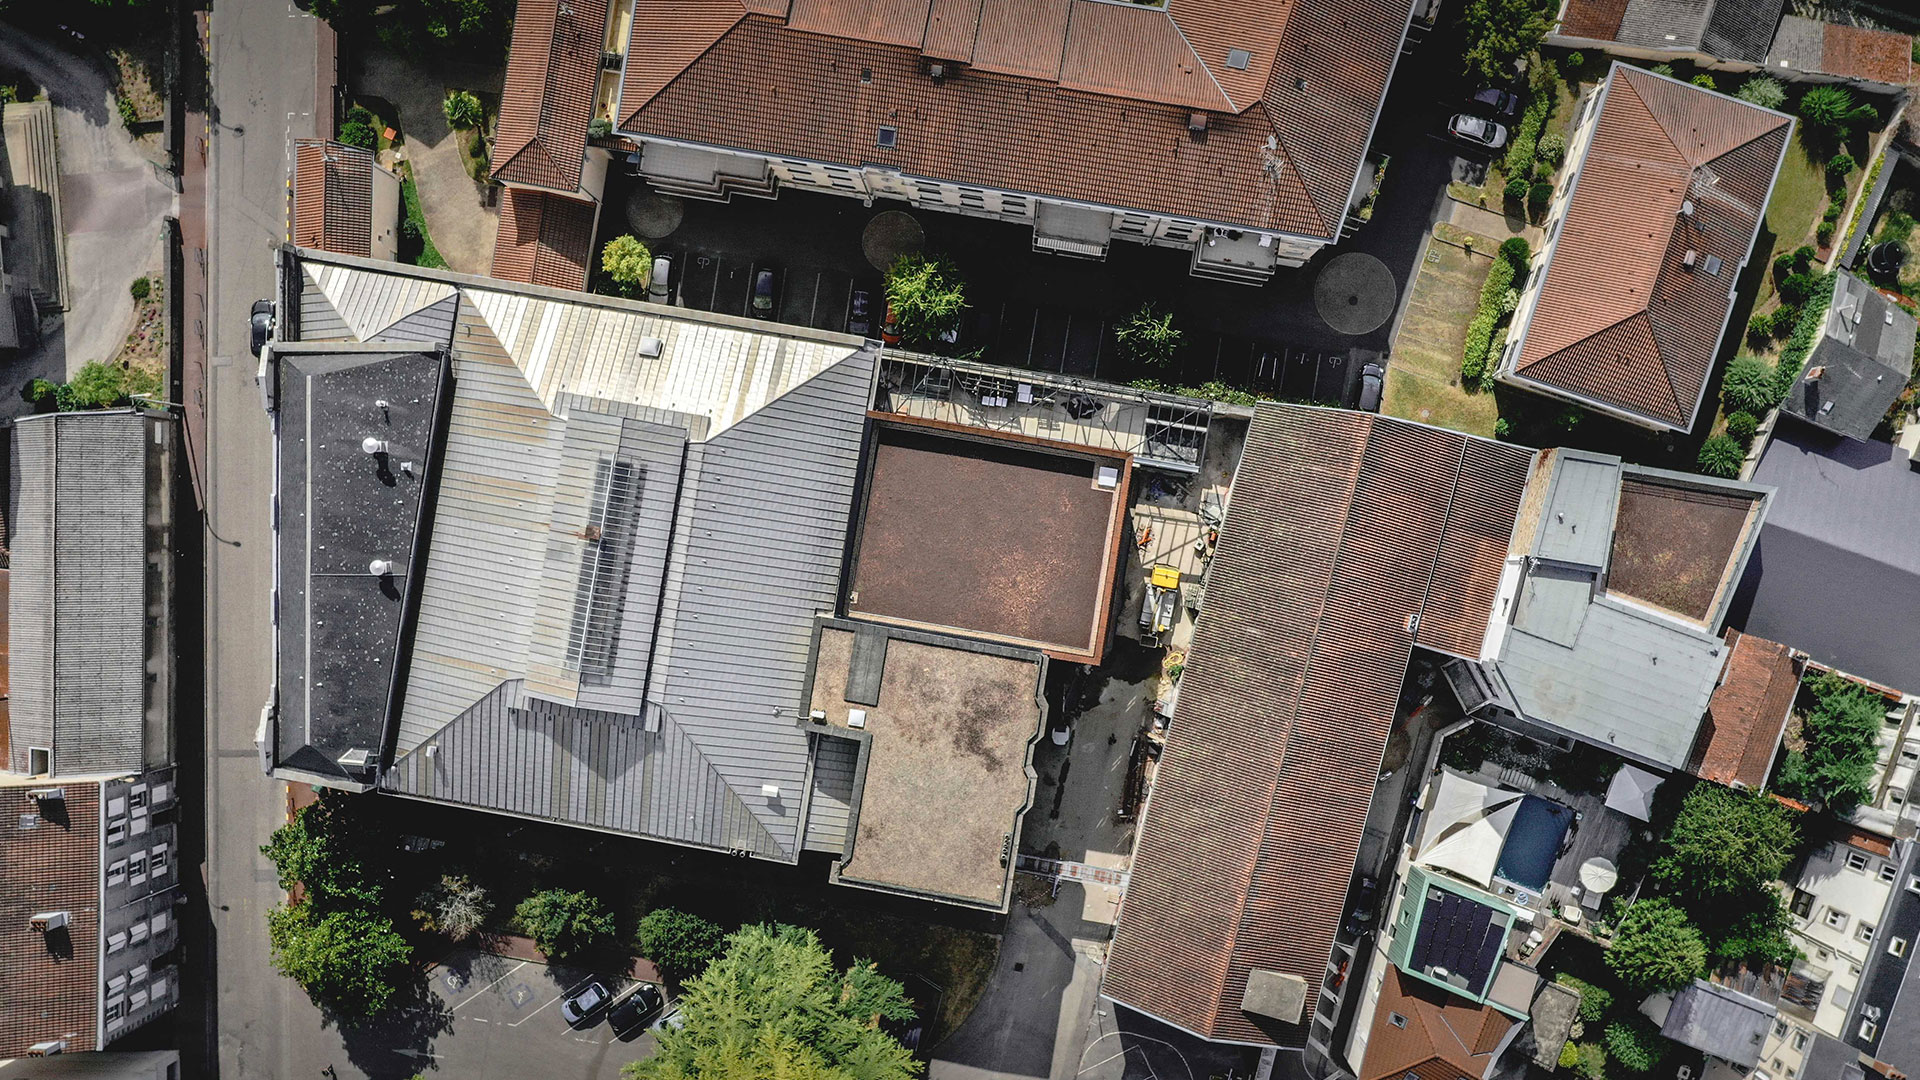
[1076,99]
[1595,19]
[1860,53]
[1749,710]
[1329,557]
[1679,546]
[546,104]
[1011,541]
[333,197]
[1671,170]
[543,239]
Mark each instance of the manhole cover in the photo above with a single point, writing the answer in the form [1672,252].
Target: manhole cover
[652,215]
[520,995]
[889,235]
[1354,293]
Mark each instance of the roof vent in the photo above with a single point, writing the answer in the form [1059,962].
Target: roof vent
[771,791]
[652,347]
[1300,83]
[1196,123]
[889,138]
[356,759]
[1237,59]
[866,75]
[48,921]
[1686,208]
[371,445]
[380,568]
[1689,258]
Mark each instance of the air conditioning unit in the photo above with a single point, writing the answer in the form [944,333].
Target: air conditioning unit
[48,794]
[48,1048]
[48,921]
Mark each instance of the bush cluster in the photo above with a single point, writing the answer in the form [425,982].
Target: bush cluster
[97,385]
[1635,1044]
[1525,146]
[358,128]
[1721,456]
[1594,1000]
[1764,91]
[1508,272]
[1741,426]
[1841,729]
[1552,149]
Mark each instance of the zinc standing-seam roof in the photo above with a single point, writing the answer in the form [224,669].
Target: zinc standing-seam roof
[744,438]
[1336,524]
[78,608]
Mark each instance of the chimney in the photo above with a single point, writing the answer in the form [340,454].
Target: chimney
[1689,258]
[1197,124]
[1816,373]
[938,72]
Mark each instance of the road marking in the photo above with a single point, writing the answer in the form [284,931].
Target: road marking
[490,985]
[538,1011]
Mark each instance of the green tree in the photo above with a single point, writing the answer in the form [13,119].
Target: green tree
[564,923]
[1741,426]
[1498,32]
[1635,1043]
[1594,1000]
[463,110]
[926,296]
[774,1005]
[1841,731]
[99,385]
[1726,844]
[1832,108]
[1148,335]
[679,943]
[1757,934]
[325,849]
[355,133]
[1761,90]
[1705,81]
[349,962]
[626,262]
[1656,948]
[40,393]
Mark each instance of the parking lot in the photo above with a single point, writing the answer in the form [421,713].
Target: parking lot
[504,1021]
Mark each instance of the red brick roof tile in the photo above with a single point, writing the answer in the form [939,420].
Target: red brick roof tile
[1159,63]
[1598,20]
[547,104]
[1620,320]
[1859,53]
[54,866]
[1747,713]
[543,239]
[1444,1036]
[668,37]
[333,197]
[1325,562]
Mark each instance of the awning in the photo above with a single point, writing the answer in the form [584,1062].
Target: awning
[1466,827]
[1631,792]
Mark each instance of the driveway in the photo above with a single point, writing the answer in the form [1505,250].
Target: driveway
[112,200]
[502,1019]
[1031,1019]
[458,219]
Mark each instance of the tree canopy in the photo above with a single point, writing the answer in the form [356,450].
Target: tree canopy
[564,923]
[1726,844]
[774,1005]
[1498,32]
[1655,948]
[323,850]
[679,944]
[1148,335]
[926,295]
[415,26]
[626,262]
[1841,731]
[350,962]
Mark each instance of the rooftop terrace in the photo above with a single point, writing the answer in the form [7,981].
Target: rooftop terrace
[1678,547]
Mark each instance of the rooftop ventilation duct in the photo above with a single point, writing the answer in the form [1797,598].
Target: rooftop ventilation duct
[371,445]
[380,568]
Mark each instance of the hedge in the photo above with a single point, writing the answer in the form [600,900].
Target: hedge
[1594,1000]
[1526,136]
[1813,317]
[1505,273]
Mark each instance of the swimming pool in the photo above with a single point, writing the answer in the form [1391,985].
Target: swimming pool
[1533,842]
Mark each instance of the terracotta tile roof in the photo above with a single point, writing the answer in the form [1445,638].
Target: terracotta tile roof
[543,239]
[1748,711]
[1329,551]
[54,866]
[1595,19]
[547,103]
[1865,839]
[1443,1038]
[1620,320]
[1877,55]
[333,197]
[1289,129]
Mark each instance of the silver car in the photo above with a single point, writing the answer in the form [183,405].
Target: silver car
[584,1002]
[1478,130]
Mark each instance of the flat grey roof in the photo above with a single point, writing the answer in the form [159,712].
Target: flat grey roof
[1577,527]
[1837,570]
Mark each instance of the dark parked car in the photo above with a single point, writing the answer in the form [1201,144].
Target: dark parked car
[634,1007]
[260,325]
[1370,377]
[766,287]
[1478,130]
[1366,893]
[860,313]
[584,1002]
[1498,100]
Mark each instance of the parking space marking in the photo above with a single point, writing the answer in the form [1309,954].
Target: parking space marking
[539,1010]
[490,985]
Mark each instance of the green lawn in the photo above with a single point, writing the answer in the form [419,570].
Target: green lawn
[428,255]
[1423,381]
[1798,198]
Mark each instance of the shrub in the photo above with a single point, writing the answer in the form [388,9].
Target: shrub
[1832,107]
[1758,936]
[1797,287]
[1721,456]
[1803,256]
[678,943]
[1594,1000]
[563,923]
[1824,233]
[1508,301]
[1813,315]
[1569,418]
[1148,335]
[1764,91]
[599,127]
[1704,80]
[128,114]
[1841,729]
[1663,69]
[1502,429]
[39,392]
[1840,165]
[1473,365]
[1741,426]
[360,114]
[1656,948]
[100,385]
[462,110]
[1635,1043]
[1593,1061]
[1516,189]
[1526,134]
[141,289]
[1539,197]
[1501,276]
[1897,225]
[626,262]
[1569,1054]
[1726,844]
[1576,59]
[454,906]
[927,296]
[1515,250]
[1552,148]
[354,133]
[1748,386]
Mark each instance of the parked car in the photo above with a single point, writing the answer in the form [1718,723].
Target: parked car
[1366,894]
[633,1007]
[766,287]
[1478,130]
[660,287]
[584,1002]
[260,325]
[860,313]
[674,1020]
[1498,100]
[1370,377]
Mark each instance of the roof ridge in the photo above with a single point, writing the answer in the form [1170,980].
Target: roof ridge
[1292,168]
[633,111]
[1167,14]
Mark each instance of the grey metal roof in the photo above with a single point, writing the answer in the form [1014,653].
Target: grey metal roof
[639,513]
[1838,561]
[1664,24]
[339,627]
[1577,525]
[1865,357]
[1741,29]
[1720,1022]
[830,808]
[80,598]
